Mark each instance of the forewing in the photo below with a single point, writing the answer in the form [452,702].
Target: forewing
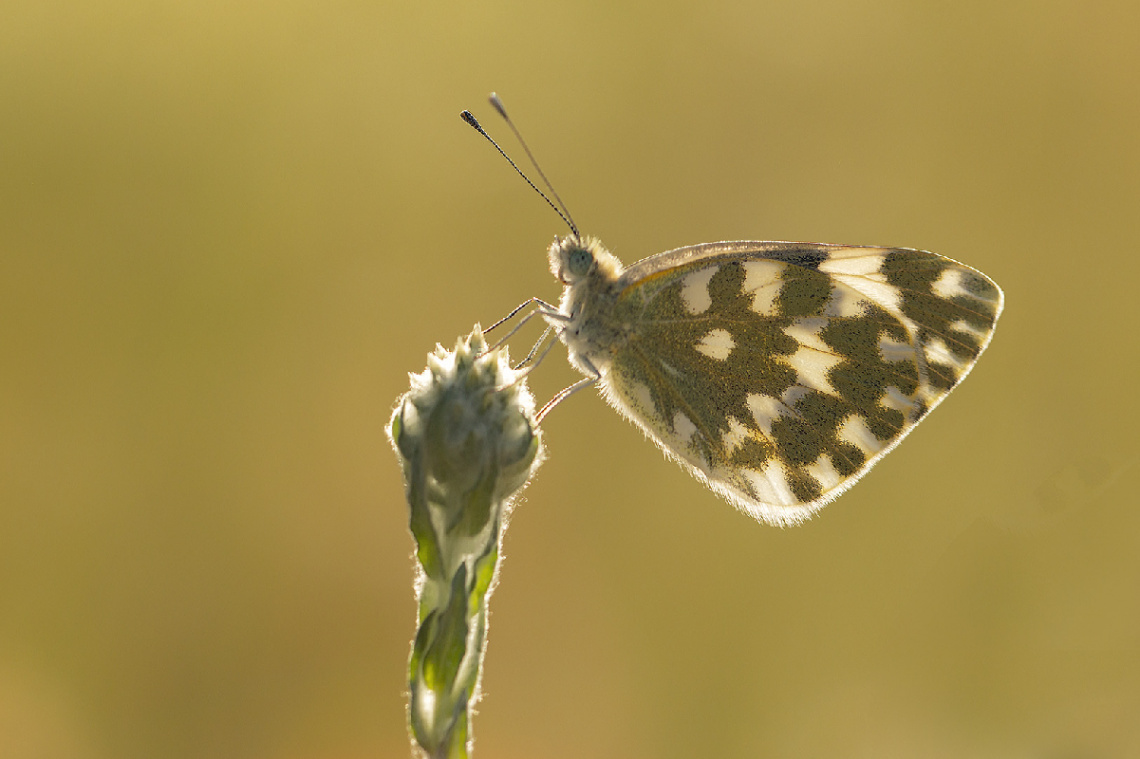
[779,373]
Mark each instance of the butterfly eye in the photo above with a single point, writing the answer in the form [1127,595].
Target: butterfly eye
[579,262]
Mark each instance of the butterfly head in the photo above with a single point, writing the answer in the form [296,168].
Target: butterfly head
[576,259]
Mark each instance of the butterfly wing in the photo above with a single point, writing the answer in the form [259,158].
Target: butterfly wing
[780,373]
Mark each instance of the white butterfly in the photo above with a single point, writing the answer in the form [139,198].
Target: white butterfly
[777,373]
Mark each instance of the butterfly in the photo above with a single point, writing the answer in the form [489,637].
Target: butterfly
[777,373]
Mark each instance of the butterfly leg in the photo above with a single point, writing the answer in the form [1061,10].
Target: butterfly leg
[541,307]
[566,392]
[534,349]
[530,363]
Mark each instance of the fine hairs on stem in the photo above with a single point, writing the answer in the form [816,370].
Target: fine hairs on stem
[468,442]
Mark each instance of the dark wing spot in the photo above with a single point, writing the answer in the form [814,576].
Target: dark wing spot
[804,487]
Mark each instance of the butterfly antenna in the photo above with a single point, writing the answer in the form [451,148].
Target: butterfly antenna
[497,103]
[559,209]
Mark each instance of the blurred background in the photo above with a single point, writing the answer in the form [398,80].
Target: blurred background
[229,230]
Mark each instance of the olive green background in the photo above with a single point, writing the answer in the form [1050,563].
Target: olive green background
[229,230]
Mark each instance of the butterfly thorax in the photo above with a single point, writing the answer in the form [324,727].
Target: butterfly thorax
[591,326]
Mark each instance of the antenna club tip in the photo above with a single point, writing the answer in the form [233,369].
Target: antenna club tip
[560,209]
[497,103]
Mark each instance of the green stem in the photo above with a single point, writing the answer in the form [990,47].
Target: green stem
[466,437]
